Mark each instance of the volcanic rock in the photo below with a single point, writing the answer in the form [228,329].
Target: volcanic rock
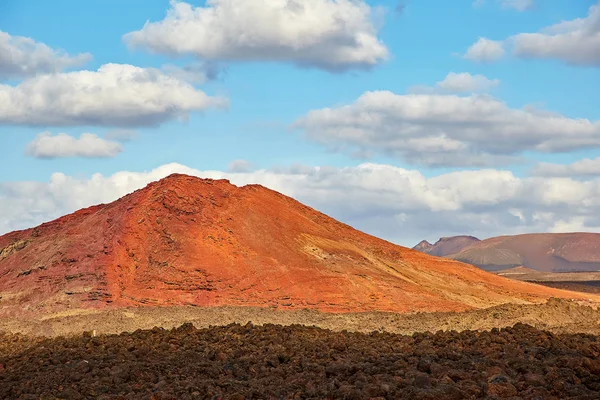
[535,365]
[202,242]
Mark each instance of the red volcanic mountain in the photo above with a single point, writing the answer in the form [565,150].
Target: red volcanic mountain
[185,240]
[550,252]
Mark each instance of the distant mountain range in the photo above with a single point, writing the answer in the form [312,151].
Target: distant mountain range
[550,252]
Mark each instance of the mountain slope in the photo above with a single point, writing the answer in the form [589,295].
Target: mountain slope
[185,240]
[551,252]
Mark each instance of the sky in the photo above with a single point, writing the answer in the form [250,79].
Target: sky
[408,120]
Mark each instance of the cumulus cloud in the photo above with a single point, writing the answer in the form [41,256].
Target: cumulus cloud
[240,166]
[465,82]
[121,135]
[462,82]
[485,50]
[445,130]
[329,34]
[61,145]
[117,95]
[194,73]
[581,168]
[575,42]
[22,57]
[394,203]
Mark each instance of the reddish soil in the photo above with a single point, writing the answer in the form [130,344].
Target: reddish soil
[296,362]
[191,241]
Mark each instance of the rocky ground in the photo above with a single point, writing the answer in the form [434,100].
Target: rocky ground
[557,316]
[350,355]
[298,362]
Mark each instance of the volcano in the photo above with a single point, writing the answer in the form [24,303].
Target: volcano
[189,241]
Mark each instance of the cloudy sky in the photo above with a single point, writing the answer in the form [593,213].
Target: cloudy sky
[409,120]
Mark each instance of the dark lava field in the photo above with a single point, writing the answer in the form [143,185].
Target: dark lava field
[299,362]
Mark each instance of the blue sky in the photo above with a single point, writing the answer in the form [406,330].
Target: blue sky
[424,42]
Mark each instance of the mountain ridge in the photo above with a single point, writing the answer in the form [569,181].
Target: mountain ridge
[549,252]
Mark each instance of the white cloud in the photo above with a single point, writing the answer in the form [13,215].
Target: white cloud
[328,34]
[445,130]
[61,145]
[115,95]
[465,82]
[581,168]
[575,42]
[194,73]
[485,50]
[22,57]
[462,82]
[240,166]
[121,135]
[397,204]
[574,224]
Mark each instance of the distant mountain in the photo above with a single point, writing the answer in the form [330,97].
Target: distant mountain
[424,246]
[550,252]
[446,245]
